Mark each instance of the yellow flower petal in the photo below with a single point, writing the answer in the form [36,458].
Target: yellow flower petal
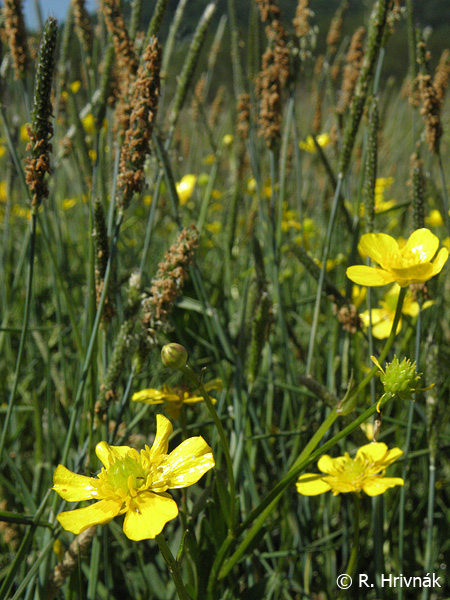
[413,274]
[163,431]
[374,452]
[440,260]
[378,485]
[185,188]
[378,246]
[147,515]
[382,329]
[391,456]
[73,487]
[327,464]
[187,463]
[108,454]
[421,243]
[98,513]
[188,399]
[310,484]
[370,276]
[154,396]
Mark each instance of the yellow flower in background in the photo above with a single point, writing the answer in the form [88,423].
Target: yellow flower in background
[68,203]
[75,86]
[148,199]
[252,187]
[410,263]
[215,227]
[209,159]
[289,219]
[185,188]
[228,139]
[21,211]
[175,397]
[308,145]
[383,318]
[358,295]
[434,219]
[331,262]
[3,195]
[23,134]
[134,483]
[88,123]
[342,475]
[2,149]
[381,185]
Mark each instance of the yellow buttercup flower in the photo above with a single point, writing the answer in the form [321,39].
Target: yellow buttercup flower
[3,190]
[342,475]
[24,133]
[75,86]
[411,263]
[358,295]
[308,145]
[215,227]
[68,203]
[134,484]
[209,159]
[88,123]
[381,205]
[252,187]
[185,188]
[434,219]
[175,397]
[382,318]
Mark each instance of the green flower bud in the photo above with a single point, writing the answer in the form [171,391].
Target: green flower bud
[174,356]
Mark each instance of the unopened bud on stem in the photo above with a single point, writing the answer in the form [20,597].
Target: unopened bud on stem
[174,356]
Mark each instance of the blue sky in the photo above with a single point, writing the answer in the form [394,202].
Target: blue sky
[49,8]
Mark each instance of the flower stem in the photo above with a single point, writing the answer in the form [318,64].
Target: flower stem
[355,547]
[191,375]
[173,567]
[401,508]
[387,346]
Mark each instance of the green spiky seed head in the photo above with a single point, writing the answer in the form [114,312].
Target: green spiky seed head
[401,378]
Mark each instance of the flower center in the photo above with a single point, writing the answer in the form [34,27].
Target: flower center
[353,470]
[126,474]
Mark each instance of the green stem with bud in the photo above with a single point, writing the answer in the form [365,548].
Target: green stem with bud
[192,376]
